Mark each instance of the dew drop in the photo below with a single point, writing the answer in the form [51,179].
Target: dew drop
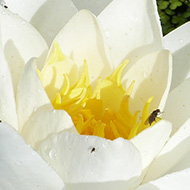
[180,40]
[107,33]
[145,75]
[40,91]
[18,163]
[52,154]
[144,153]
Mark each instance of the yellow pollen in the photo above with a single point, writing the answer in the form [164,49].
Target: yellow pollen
[103,111]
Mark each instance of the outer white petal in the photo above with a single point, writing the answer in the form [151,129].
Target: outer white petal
[150,141]
[183,164]
[173,153]
[7,98]
[22,168]
[31,94]
[44,123]
[152,74]
[178,42]
[86,159]
[47,16]
[175,181]
[81,39]
[20,42]
[110,185]
[177,108]
[94,6]
[132,28]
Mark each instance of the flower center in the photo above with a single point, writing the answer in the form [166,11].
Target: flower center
[102,111]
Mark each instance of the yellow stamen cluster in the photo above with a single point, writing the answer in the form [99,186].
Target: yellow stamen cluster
[103,111]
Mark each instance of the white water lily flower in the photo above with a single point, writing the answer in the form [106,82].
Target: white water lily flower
[89,161]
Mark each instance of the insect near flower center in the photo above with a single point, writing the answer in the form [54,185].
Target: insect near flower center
[102,111]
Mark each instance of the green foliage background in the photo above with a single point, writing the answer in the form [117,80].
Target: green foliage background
[173,13]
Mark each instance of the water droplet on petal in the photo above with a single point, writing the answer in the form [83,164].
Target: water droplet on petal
[52,154]
[40,91]
[18,163]
[107,33]
[144,153]
[145,74]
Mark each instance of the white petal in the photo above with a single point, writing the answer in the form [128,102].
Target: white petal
[84,159]
[82,39]
[47,16]
[152,75]
[178,42]
[132,28]
[175,181]
[44,123]
[94,6]
[21,167]
[31,94]
[7,98]
[110,185]
[173,152]
[183,164]
[20,42]
[177,108]
[150,141]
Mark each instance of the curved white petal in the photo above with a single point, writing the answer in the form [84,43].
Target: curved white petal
[20,42]
[150,141]
[81,39]
[110,185]
[152,75]
[85,159]
[21,167]
[45,123]
[177,108]
[31,94]
[175,181]
[94,6]
[178,42]
[47,16]
[132,28]
[183,164]
[173,152]
[7,98]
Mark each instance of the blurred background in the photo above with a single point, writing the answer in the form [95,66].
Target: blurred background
[173,13]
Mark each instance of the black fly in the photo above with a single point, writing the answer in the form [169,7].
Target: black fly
[152,117]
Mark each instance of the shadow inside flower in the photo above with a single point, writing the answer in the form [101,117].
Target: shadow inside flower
[181,66]
[15,62]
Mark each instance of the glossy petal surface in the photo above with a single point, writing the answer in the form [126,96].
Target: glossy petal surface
[21,167]
[132,28]
[177,108]
[150,141]
[178,42]
[81,39]
[7,98]
[152,75]
[94,6]
[20,42]
[31,94]
[172,153]
[85,159]
[45,123]
[47,16]
[175,181]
